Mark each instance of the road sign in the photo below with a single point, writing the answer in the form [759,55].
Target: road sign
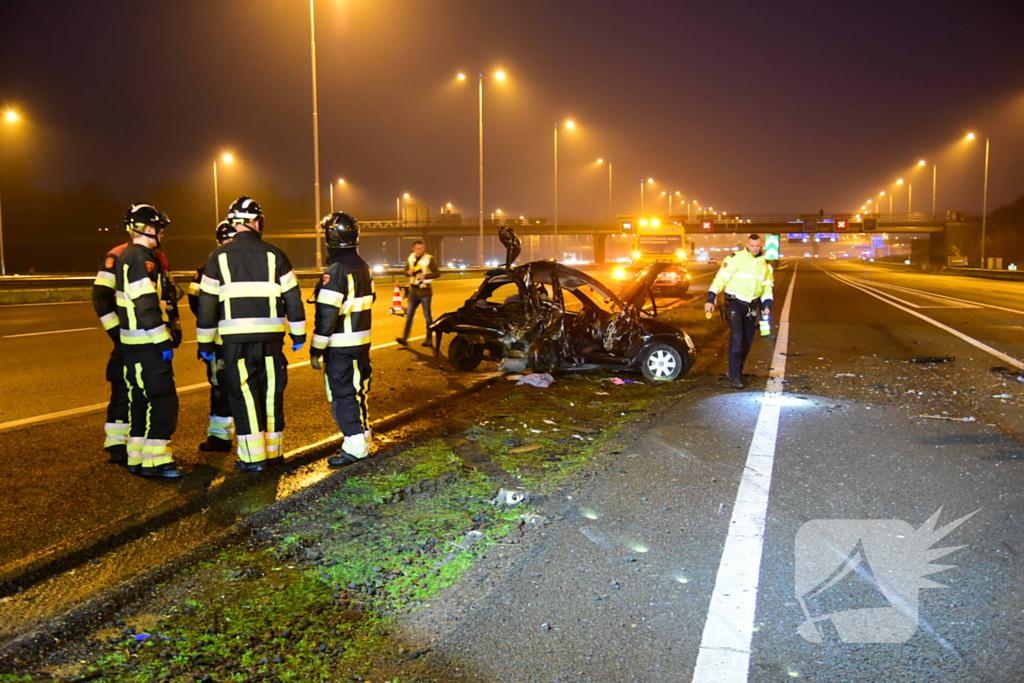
[810,224]
[878,241]
[870,224]
[797,236]
[627,226]
[707,226]
[842,224]
[771,247]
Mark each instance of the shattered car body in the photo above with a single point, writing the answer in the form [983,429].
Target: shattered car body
[547,316]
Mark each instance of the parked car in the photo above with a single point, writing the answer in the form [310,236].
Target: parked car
[673,280]
[546,316]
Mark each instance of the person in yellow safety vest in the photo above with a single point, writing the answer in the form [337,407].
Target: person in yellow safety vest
[747,282]
[148,337]
[423,270]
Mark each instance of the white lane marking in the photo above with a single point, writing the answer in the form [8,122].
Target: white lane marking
[97,407]
[891,300]
[968,302]
[724,655]
[39,334]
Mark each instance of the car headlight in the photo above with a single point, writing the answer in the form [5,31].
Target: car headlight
[619,274]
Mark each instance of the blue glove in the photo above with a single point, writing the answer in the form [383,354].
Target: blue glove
[168,355]
[207,356]
[766,304]
[296,346]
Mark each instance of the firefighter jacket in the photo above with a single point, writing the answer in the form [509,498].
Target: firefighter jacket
[248,293]
[423,264]
[344,299]
[104,287]
[194,288]
[745,277]
[140,290]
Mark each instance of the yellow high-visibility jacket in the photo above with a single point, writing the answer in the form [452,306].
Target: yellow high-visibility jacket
[745,277]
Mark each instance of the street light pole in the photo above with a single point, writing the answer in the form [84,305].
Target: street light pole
[935,184]
[641,197]
[332,199]
[984,206]
[316,140]
[611,214]
[556,193]
[10,117]
[480,252]
[216,195]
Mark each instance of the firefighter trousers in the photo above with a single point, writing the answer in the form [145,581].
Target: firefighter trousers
[255,376]
[347,376]
[742,324]
[116,427]
[152,406]
[222,424]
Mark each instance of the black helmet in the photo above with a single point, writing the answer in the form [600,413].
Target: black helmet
[138,216]
[246,210]
[340,230]
[225,232]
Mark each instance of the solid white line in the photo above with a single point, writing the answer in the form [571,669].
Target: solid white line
[724,655]
[891,300]
[874,283]
[97,407]
[39,334]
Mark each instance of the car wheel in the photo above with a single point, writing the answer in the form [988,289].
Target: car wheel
[542,356]
[463,354]
[662,363]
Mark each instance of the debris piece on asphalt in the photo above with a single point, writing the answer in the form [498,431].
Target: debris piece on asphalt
[1001,396]
[550,422]
[846,374]
[948,417]
[512,365]
[928,360]
[541,380]
[471,538]
[618,381]
[546,627]
[526,449]
[146,636]
[514,378]
[602,393]
[510,497]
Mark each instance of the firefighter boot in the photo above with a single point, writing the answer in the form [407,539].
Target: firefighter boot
[166,471]
[118,455]
[215,444]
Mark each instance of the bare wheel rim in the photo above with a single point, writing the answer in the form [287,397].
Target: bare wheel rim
[661,363]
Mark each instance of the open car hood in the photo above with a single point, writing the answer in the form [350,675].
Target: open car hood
[635,292]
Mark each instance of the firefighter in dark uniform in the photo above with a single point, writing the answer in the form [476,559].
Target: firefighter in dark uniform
[104,302]
[250,297]
[747,281]
[148,331]
[221,430]
[423,270]
[341,335]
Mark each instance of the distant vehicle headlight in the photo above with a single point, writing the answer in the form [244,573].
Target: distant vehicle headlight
[378,268]
[619,274]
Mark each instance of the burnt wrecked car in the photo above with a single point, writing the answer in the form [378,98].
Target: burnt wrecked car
[546,316]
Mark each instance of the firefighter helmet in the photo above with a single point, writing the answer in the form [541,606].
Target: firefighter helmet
[246,210]
[138,216]
[225,232]
[340,230]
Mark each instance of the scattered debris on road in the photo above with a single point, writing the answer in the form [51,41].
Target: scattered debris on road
[929,360]
[511,497]
[949,418]
[541,380]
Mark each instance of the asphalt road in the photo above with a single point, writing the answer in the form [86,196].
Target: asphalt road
[691,546]
[59,492]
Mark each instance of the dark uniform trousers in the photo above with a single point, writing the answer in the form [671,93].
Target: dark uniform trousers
[153,405]
[742,323]
[116,427]
[347,375]
[419,296]
[255,376]
[222,424]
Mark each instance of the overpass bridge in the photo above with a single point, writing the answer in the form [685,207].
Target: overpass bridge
[434,230]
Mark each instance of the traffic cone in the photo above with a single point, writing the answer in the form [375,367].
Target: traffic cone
[396,301]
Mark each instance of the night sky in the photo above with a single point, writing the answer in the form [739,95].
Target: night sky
[748,106]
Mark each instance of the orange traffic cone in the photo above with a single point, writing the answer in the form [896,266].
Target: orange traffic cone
[396,301]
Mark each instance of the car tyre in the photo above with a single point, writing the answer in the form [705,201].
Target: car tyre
[662,363]
[542,356]
[464,355]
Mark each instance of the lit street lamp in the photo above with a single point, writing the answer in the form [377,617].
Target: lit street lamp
[341,181]
[601,161]
[499,76]
[10,116]
[984,200]
[227,159]
[643,182]
[669,194]
[316,141]
[398,204]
